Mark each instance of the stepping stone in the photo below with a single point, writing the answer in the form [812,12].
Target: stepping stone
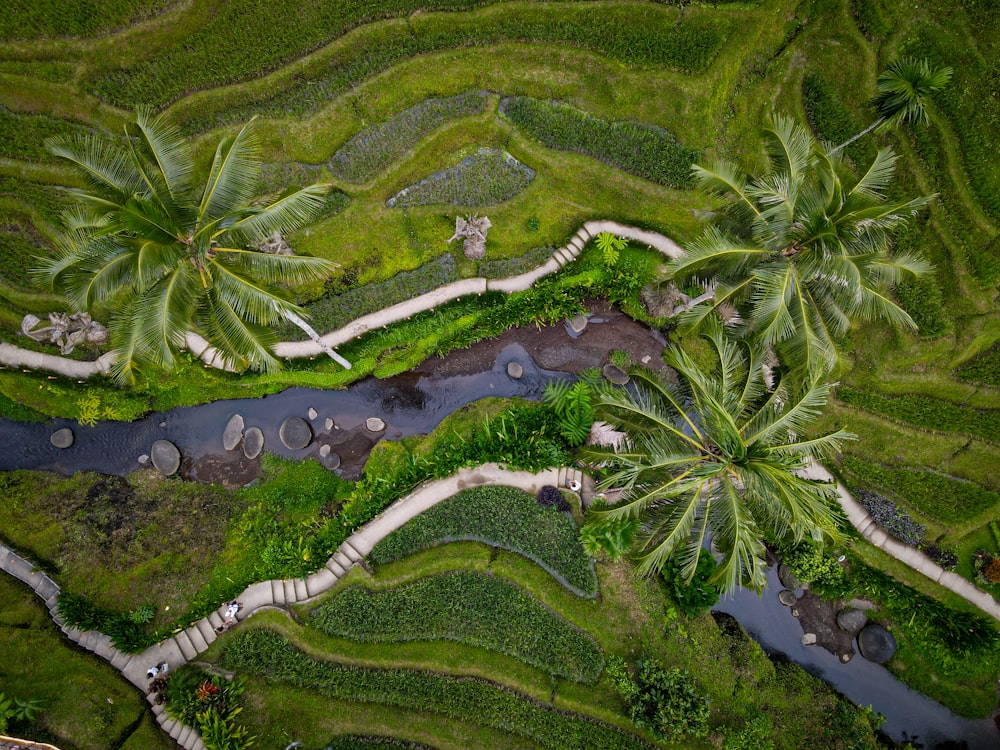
[614,374]
[374,424]
[328,424]
[165,457]
[62,438]
[312,413]
[324,451]
[852,620]
[332,461]
[515,370]
[808,639]
[787,598]
[253,442]
[233,433]
[295,433]
[876,643]
[577,324]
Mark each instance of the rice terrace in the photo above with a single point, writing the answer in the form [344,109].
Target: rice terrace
[490,374]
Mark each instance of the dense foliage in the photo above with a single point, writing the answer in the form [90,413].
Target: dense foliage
[666,702]
[501,517]
[644,150]
[210,703]
[488,177]
[698,594]
[468,607]
[368,153]
[265,653]
[29,19]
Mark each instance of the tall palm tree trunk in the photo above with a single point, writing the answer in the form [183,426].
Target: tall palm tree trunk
[853,138]
[311,332]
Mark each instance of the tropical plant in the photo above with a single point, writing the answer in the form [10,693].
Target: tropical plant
[698,594]
[666,702]
[17,709]
[903,88]
[572,403]
[715,454]
[610,246]
[169,255]
[799,254]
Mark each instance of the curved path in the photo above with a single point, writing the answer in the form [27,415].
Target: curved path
[187,644]
[13,356]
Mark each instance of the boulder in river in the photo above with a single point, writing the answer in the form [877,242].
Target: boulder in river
[62,438]
[809,639]
[295,433]
[253,442]
[787,577]
[577,324]
[515,370]
[165,457]
[876,643]
[852,620]
[328,424]
[233,433]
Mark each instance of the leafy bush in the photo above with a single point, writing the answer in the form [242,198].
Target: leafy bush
[611,537]
[467,607]
[369,152]
[644,150]
[815,565]
[126,634]
[700,594]
[666,702]
[551,497]
[488,177]
[890,518]
[13,709]
[501,517]
[335,311]
[927,412]
[984,368]
[944,498]
[265,653]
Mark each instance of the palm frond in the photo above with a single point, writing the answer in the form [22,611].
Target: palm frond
[252,300]
[784,413]
[738,537]
[233,176]
[103,166]
[163,315]
[284,215]
[243,344]
[168,150]
[876,179]
[724,180]
[789,146]
[273,269]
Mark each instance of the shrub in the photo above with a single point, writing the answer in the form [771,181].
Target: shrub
[944,498]
[488,177]
[815,565]
[209,703]
[890,518]
[369,152]
[946,558]
[265,653]
[467,607]
[552,497]
[501,517]
[644,150]
[666,702]
[700,594]
[611,537]
[126,634]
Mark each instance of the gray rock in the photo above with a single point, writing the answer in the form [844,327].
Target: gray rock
[143,459]
[295,433]
[312,413]
[233,433]
[808,639]
[253,442]
[62,438]
[324,451]
[876,643]
[515,370]
[852,620]
[577,324]
[787,577]
[328,424]
[332,461]
[615,374]
[165,457]
[787,597]
[844,658]
[374,424]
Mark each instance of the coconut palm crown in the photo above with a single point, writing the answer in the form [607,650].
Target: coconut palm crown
[718,455]
[168,254]
[797,252]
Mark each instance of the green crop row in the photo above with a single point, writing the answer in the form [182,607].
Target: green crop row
[640,34]
[983,369]
[49,18]
[831,119]
[927,412]
[935,495]
[373,149]
[486,178]
[23,136]
[467,607]
[644,150]
[501,517]
[370,742]
[21,245]
[501,268]
[268,654]
[337,310]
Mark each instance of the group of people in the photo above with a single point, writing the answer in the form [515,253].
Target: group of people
[228,620]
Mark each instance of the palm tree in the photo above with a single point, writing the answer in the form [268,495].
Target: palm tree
[168,254]
[717,454]
[798,254]
[903,89]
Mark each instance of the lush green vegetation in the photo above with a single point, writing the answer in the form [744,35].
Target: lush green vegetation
[644,150]
[486,178]
[501,517]
[51,18]
[983,369]
[466,607]
[266,653]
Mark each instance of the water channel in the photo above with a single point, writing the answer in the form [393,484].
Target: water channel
[411,404]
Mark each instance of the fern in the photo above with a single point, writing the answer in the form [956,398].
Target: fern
[610,246]
[572,404]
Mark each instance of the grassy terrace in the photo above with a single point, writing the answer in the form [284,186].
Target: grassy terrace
[375,96]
